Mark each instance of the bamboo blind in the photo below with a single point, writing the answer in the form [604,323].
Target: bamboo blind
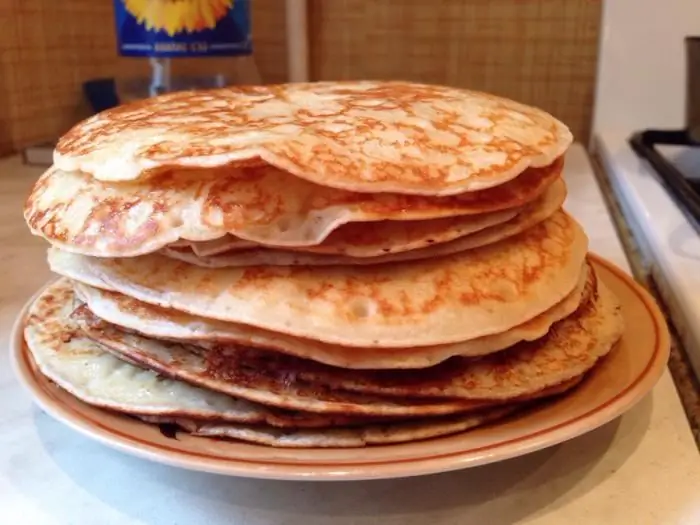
[542,52]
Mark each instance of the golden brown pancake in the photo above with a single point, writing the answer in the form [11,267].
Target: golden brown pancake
[342,437]
[80,214]
[420,303]
[381,242]
[82,367]
[570,348]
[358,436]
[227,243]
[161,323]
[378,238]
[367,136]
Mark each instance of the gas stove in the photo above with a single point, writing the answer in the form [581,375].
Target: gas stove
[679,174]
[660,206]
[674,157]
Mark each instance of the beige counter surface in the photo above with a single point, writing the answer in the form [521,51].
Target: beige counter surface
[643,468]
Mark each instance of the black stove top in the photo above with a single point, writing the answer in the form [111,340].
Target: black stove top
[682,186]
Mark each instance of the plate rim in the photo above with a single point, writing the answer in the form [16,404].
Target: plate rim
[389,469]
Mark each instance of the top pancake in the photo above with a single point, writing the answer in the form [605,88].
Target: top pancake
[360,136]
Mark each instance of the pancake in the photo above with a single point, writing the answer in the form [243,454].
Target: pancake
[360,136]
[359,436]
[78,213]
[570,348]
[271,386]
[161,323]
[360,240]
[379,239]
[79,366]
[56,339]
[227,243]
[456,298]
[373,238]
[379,243]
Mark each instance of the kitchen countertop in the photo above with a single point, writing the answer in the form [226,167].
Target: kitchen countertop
[643,468]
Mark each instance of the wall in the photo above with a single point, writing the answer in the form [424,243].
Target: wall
[541,52]
[641,80]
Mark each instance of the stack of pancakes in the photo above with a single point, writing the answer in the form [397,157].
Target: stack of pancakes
[323,264]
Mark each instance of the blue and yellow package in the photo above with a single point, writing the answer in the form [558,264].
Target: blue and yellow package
[183,28]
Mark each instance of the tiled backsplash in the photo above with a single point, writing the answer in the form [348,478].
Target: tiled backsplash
[542,52]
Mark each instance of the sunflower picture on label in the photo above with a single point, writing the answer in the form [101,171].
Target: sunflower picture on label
[172,28]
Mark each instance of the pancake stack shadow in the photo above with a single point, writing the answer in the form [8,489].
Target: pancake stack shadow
[316,265]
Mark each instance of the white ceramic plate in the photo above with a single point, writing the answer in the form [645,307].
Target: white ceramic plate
[615,385]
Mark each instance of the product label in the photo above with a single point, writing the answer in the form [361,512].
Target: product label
[183,28]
